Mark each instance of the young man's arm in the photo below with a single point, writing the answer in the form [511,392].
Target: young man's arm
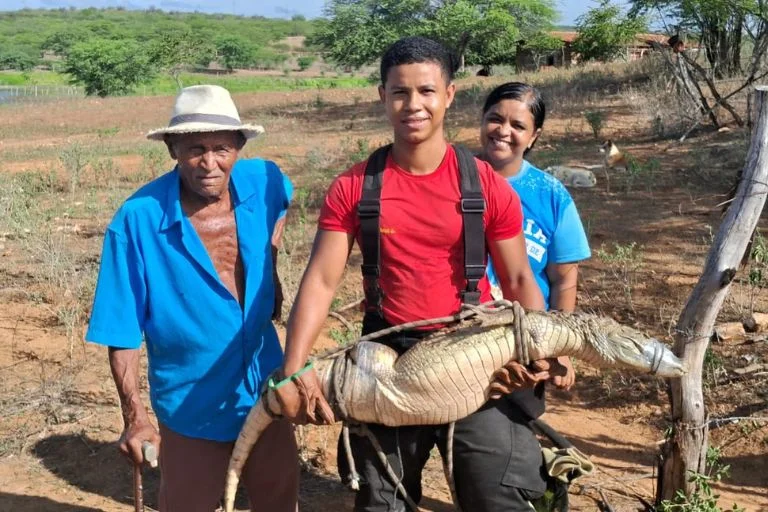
[137,427]
[303,401]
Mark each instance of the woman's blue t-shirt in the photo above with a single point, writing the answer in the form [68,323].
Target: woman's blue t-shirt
[552,227]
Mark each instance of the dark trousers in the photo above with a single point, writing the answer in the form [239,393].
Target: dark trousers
[497,459]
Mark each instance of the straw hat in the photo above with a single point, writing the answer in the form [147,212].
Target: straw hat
[205,108]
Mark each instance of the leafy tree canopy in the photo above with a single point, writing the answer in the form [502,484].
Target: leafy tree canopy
[235,52]
[14,58]
[605,31]
[57,30]
[107,68]
[176,51]
[481,31]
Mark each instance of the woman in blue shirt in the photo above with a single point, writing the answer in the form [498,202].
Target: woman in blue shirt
[513,117]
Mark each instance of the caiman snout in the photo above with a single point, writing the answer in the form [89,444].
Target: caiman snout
[661,360]
[632,349]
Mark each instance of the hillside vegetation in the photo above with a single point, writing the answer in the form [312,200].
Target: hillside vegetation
[30,38]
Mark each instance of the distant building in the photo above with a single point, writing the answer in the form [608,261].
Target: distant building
[566,56]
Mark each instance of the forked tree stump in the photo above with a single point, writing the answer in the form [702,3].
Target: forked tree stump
[685,450]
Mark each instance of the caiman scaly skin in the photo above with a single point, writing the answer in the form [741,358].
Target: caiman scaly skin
[446,377]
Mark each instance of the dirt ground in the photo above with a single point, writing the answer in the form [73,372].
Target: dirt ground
[59,417]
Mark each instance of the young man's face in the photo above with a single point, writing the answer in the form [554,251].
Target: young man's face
[416,97]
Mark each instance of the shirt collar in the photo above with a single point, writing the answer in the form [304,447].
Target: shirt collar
[240,187]
[172,210]
[524,166]
[240,184]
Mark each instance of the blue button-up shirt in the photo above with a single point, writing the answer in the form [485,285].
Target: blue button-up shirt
[207,355]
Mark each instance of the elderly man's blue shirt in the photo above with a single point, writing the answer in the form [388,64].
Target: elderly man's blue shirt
[208,356]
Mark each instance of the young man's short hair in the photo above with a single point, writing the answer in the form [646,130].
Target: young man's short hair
[416,49]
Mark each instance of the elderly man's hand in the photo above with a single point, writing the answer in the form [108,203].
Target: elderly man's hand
[134,435]
[302,401]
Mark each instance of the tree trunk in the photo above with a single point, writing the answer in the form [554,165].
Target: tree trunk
[735,43]
[694,91]
[685,450]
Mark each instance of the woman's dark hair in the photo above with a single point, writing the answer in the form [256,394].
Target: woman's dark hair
[521,92]
[412,50]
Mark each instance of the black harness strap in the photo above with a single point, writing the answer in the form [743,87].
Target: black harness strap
[369,210]
[472,210]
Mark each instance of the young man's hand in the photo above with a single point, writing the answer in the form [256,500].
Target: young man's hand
[513,376]
[561,371]
[302,401]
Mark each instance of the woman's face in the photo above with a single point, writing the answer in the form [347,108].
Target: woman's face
[506,131]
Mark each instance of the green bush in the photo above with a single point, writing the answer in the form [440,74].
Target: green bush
[109,68]
[13,58]
[305,62]
[595,120]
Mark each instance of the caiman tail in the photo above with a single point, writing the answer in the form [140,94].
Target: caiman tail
[256,423]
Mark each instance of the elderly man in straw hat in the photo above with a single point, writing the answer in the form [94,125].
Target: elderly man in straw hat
[188,266]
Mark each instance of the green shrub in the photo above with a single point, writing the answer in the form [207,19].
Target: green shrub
[305,62]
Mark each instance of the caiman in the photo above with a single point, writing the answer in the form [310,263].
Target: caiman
[446,376]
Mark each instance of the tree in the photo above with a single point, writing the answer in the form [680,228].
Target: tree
[358,31]
[13,58]
[174,52]
[60,42]
[485,28]
[685,448]
[305,62]
[235,52]
[605,31]
[541,45]
[107,68]
[478,31]
[721,25]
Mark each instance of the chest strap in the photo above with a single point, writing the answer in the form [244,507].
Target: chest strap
[472,210]
[472,207]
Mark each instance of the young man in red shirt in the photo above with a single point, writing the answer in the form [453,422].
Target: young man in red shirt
[421,276]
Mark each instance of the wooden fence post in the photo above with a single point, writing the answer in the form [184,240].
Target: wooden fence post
[685,450]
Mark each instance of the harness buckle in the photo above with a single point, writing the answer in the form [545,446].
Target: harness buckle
[474,271]
[472,205]
[472,298]
[369,208]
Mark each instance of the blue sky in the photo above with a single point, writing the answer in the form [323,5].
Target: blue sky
[272,8]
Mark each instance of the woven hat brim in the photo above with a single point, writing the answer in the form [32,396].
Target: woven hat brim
[248,130]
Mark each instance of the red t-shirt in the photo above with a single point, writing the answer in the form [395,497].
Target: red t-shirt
[422,247]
